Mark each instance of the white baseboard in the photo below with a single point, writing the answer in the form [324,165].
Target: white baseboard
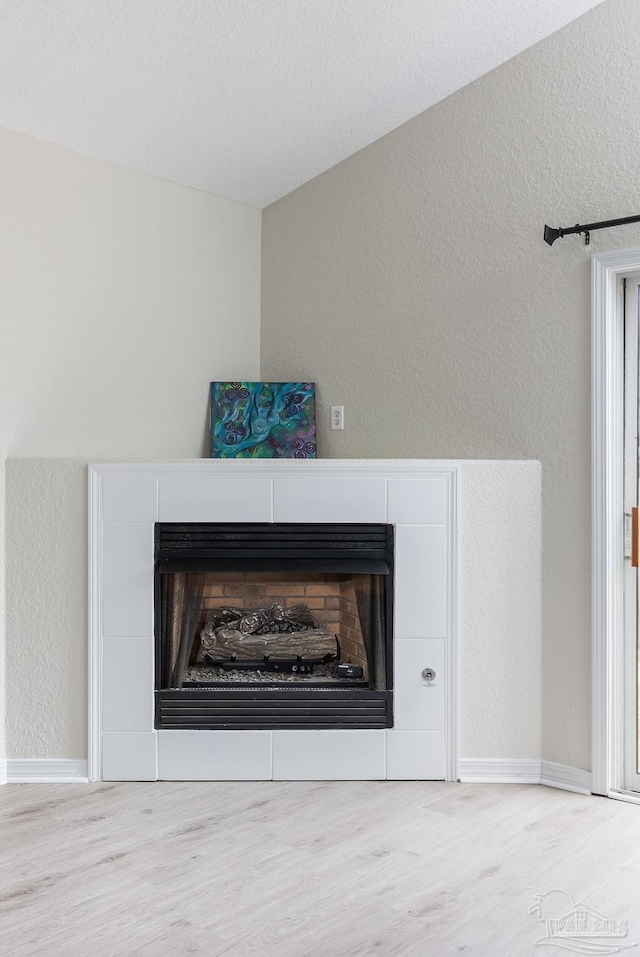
[46,771]
[524,771]
[499,771]
[565,777]
[472,771]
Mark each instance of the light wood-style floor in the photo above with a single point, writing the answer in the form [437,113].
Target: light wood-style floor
[304,869]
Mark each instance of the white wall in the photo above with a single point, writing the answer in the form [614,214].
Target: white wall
[411,281]
[121,297]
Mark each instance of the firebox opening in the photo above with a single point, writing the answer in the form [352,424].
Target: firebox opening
[266,628]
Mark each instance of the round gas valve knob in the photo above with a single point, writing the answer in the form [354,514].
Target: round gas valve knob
[429,676]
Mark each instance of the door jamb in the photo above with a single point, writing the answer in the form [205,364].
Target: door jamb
[607,466]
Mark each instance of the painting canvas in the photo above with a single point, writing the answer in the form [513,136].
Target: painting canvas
[263,420]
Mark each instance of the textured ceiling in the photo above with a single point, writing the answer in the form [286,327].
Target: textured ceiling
[247,99]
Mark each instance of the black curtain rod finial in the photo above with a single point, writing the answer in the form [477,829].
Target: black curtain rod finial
[550,235]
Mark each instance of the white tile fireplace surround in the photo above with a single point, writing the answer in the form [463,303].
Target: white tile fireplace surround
[418,498]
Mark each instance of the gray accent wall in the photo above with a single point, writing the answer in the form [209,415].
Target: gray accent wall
[412,284]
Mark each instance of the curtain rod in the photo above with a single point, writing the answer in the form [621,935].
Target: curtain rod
[550,235]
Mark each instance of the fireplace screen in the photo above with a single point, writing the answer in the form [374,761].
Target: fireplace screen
[262,627]
[273,626]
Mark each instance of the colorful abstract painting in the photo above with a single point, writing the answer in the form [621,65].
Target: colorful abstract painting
[263,420]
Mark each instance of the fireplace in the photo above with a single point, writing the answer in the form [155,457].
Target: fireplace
[273,626]
[324,529]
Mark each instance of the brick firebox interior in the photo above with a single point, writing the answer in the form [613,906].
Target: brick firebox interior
[330,597]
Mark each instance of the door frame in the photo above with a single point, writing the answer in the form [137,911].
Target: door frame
[629,658]
[607,467]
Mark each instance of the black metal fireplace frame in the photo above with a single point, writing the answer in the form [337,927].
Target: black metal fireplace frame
[354,548]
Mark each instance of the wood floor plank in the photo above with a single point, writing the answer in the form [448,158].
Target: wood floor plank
[303,869]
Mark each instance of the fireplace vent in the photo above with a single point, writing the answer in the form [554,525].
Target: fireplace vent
[246,709]
[339,548]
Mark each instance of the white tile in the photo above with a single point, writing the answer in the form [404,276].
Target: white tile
[214,755]
[214,499]
[347,500]
[127,684]
[127,563]
[420,581]
[129,499]
[328,755]
[416,705]
[418,501]
[129,756]
[415,755]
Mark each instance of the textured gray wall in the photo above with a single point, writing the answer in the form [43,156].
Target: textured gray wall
[3,746]
[46,608]
[411,282]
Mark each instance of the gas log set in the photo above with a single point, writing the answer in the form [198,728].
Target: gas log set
[267,639]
